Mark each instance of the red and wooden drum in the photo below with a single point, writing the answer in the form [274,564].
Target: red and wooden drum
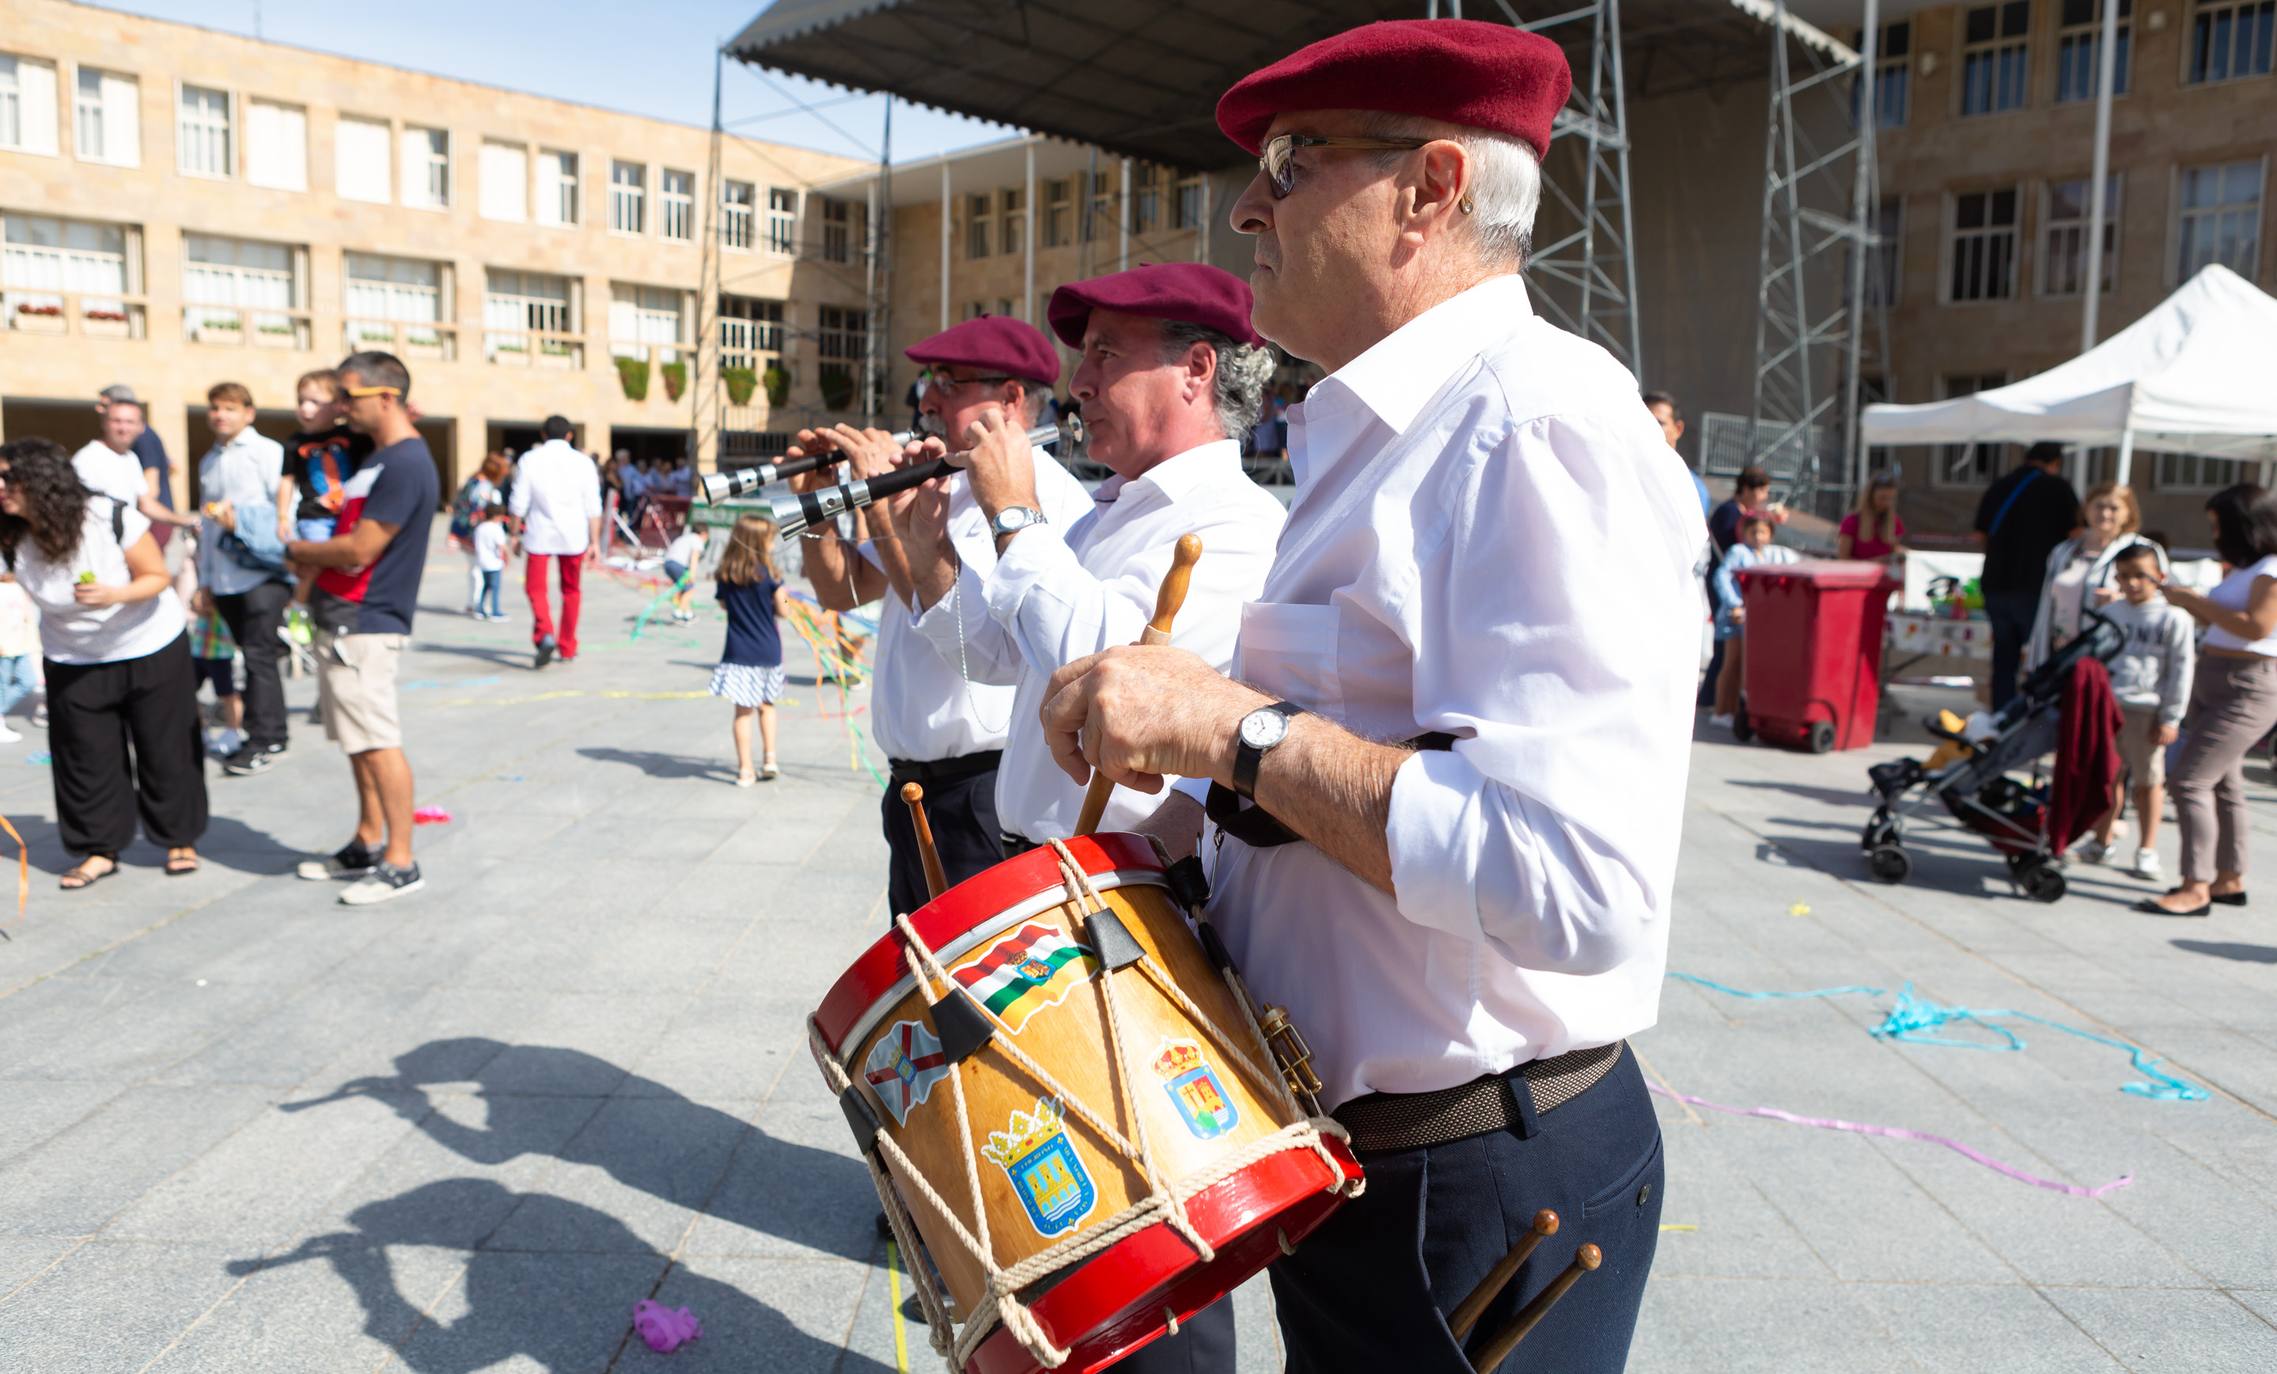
[1057,1038]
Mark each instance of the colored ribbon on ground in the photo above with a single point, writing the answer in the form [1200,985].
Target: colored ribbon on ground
[806,622]
[1826,1123]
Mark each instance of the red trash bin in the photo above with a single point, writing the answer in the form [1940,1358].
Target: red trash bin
[1814,652]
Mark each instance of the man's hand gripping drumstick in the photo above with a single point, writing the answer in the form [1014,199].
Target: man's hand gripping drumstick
[1166,604]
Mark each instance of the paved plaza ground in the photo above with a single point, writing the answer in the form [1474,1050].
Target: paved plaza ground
[244,1129]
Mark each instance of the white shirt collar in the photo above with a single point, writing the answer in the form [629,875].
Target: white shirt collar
[1402,370]
[1178,475]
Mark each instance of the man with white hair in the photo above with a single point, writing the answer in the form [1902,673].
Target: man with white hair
[1489,558]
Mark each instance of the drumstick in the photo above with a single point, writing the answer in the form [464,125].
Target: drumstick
[1498,1349]
[1470,1309]
[936,881]
[1166,604]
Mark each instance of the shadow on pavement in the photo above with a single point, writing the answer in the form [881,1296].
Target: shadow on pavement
[661,765]
[1860,796]
[516,655]
[1956,874]
[228,843]
[2224,949]
[539,1306]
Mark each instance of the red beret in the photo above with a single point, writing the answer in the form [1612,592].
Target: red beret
[1189,292]
[1464,71]
[995,344]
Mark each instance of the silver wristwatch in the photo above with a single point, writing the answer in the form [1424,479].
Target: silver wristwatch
[1013,519]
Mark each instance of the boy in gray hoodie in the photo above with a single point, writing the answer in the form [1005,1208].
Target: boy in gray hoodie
[2151,678]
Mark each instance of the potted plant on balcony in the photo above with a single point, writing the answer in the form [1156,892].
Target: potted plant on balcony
[741,383]
[221,329]
[777,380]
[513,351]
[423,343]
[556,353]
[274,334]
[675,380]
[40,319]
[632,375]
[102,323]
[837,387]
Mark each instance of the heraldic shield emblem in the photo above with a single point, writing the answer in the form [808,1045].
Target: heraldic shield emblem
[1194,1089]
[1046,1173]
[903,1067]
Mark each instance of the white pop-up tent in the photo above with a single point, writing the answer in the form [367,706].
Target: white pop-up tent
[2192,376]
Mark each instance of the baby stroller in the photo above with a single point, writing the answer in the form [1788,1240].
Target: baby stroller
[1969,774]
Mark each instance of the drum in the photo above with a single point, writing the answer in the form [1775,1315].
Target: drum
[1072,1106]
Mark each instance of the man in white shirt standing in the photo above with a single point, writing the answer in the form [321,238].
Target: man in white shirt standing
[109,464]
[242,469]
[1490,558]
[557,505]
[941,726]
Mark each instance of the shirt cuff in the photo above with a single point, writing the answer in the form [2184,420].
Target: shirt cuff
[1432,839]
[1034,559]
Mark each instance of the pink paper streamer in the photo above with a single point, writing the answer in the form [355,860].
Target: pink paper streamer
[665,1329]
[1899,1133]
[430,815]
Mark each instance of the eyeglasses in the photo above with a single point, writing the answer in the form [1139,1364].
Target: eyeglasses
[954,382]
[359,392]
[1279,159]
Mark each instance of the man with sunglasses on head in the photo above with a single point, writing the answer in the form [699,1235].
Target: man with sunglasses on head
[1447,772]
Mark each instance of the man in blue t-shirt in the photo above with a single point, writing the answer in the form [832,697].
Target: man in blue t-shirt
[365,595]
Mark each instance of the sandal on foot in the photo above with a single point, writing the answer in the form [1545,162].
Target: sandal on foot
[79,877]
[181,865]
[745,780]
[768,772]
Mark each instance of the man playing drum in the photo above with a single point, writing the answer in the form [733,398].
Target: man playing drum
[939,725]
[1450,759]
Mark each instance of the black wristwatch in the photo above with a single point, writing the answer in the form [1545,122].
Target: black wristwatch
[1259,733]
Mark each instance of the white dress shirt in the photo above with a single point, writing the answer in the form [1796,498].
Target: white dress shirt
[923,706]
[1488,540]
[244,472]
[557,493]
[115,474]
[1063,591]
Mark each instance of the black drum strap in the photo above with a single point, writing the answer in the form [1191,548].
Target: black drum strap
[1256,827]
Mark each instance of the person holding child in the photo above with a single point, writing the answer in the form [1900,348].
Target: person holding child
[2151,678]
[319,460]
[750,671]
[1754,549]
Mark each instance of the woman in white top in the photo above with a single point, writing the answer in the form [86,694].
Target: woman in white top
[2233,702]
[118,665]
[2078,579]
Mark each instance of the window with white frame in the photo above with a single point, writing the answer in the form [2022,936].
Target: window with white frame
[837,230]
[202,133]
[782,221]
[1969,465]
[517,305]
[842,335]
[1996,57]
[276,145]
[27,104]
[1983,249]
[387,297]
[233,288]
[628,197]
[642,317]
[2195,472]
[738,206]
[360,160]
[426,168]
[2063,236]
[979,213]
[557,187]
[676,205]
[2230,39]
[106,118]
[1059,213]
[505,189]
[2218,218]
[750,331]
[2079,50]
[1013,227]
[1188,209]
[43,258]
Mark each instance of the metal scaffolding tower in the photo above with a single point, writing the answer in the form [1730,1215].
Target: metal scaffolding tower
[1818,233]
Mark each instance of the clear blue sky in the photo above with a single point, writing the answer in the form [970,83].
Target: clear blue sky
[649,57]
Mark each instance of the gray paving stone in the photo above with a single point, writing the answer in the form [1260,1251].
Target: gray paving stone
[110,1307]
[1952,1326]
[2208,1332]
[78,1179]
[303,1312]
[37,1110]
[517,1311]
[778,1314]
[24,1258]
[1760,1325]
[648,1164]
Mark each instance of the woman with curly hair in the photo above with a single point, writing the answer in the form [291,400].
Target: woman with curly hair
[122,694]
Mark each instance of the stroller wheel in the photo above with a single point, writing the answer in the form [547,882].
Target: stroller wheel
[1880,830]
[1889,864]
[2042,883]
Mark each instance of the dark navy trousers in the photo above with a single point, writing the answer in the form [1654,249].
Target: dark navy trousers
[1370,1291]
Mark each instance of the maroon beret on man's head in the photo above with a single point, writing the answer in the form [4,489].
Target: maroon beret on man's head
[996,344]
[1464,71]
[1190,292]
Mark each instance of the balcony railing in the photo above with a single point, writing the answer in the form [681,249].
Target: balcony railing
[88,316]
[246,326]
[404,338]
[534,348]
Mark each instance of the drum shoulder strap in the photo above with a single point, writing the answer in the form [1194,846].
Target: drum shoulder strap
[1256,827]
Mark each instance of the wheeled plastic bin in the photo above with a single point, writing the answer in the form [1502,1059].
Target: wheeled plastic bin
[1814,653]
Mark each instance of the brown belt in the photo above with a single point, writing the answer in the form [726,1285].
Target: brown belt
[1410,1121]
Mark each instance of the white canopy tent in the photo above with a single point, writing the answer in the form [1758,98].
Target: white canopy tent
[2192,376]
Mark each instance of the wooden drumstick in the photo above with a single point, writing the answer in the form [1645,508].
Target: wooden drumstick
[1498,1349]
[1470,1309]
[936,881]
[1166,604]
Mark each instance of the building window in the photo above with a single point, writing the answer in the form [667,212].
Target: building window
[1059,213]
[644,317]
[1014,234]
[2230,39]
[276,145]
[359,159]
[1996,57]
[676,205]
[750,332]
[27,104]
[2079,50]
[782,221]
[2063,237]
[1102,218]
[977,217]
[1146,201]
[240,291]
[1889,241]
[1969,465]
[1189,207]
[106,119]
[837,231]
[1893,75]
[530,316]
[975,309]
[2220,218]
[396,304]
[628,197]
[505,189]
[2195,472]
[557,187]
[1984,246]
[45,260]
[736,205]
[202,136]
[426,168]
[842,335]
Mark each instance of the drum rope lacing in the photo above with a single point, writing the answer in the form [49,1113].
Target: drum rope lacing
[1165,1200]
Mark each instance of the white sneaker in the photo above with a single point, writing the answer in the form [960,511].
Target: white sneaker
[2092,850]
[1720,722]
[8,736]
[2146,863]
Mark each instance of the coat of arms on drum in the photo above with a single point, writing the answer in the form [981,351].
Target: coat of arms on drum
[1194,1089]
[1045,1171]
[903,1067]
[1024,972]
